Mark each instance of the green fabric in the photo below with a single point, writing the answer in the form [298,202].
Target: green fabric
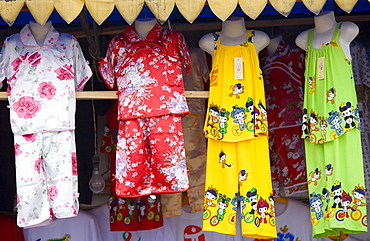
[333,143]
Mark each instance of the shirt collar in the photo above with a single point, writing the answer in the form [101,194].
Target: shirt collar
[27,38]
[152,36]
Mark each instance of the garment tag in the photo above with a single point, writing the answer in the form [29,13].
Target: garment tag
[238,68]
[320,68]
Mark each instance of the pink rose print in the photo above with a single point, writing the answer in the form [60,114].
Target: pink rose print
[65,72]
[26,107]
[15,63]
[17,150]
[46,90]
[37,165]
[53,192]
[30,137]
[18,199]
[74,164]
[34,59]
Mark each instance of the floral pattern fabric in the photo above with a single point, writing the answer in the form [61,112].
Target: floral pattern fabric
[47,184]
[147,73]
[283,74]
[42,80]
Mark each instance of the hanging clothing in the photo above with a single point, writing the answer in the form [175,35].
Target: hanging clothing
[101,214]
[361,75]
[148,76]
[195,143]
[236,127]
[332,141]
[283,74]
[42,81]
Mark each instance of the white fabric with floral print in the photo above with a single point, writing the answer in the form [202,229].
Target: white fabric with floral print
[42,80]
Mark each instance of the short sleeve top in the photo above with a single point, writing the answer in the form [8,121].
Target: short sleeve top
[42,80]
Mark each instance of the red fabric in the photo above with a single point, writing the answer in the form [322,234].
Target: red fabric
[9,229]
[284,76]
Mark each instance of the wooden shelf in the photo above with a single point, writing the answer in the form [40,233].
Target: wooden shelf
[111,95]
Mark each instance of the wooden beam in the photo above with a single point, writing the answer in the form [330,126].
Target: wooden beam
[112,95]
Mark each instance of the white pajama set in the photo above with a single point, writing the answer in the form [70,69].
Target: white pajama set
[42,81]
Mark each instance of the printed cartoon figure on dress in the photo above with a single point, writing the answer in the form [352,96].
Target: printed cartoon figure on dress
[145,62]
[44,69]
[332,136]
[236,128]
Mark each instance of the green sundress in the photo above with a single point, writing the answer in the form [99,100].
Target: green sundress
[331,129]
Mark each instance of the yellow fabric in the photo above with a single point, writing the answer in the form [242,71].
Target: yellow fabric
[69,9]
[9,10]
[99,9]
[161,8]
[346,5]
[240,113]
[129,9]
[238,161]
[314,6]
[190,9]
[252,8]
[283,6]
[253,157]
[222,8]
[40,9]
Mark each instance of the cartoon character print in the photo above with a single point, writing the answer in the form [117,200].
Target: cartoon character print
[238,113]
[249,107]
[239,200]
[312,84]
[357,117]
[222,157]
[237,90]
[346,111]
[131,205]
[337,191]
[316,205]
[335,122]
[243,174]
[252,197]
[213,77]
[323,124]
[331,94]
[315,176]
[256,118]
[346,201]
[214,111]
[222,203]
[141,205]
[359,196]
[326,194]
[262,207]
[305,128]
[329,171]
[224,117]
[313,122]
[151,200]
[263,112]
[211,195]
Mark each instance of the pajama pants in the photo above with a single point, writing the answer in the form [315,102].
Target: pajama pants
[46,177]
[336,186]
[238,179]
[150,157]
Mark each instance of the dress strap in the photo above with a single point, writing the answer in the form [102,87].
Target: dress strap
[337,32]
[310,37]
[216,37]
